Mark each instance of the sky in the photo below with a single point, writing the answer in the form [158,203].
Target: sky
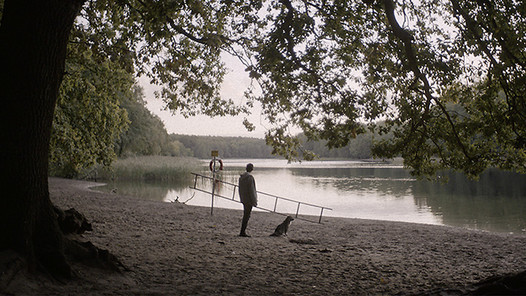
[234,85]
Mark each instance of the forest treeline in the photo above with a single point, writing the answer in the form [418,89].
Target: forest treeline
[77,145]
[242,147]
[146,135]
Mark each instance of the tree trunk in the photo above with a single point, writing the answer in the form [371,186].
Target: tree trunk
[33,41]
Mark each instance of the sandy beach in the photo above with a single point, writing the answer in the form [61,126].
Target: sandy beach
[175,249]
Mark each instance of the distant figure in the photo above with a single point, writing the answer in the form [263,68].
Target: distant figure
[248,196]
[283,227]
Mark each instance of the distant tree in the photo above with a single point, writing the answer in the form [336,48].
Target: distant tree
[178,149]
[228,147]
[361,147]
[358,148]
[146,134]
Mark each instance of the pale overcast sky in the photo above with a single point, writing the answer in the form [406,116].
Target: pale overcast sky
[234,86]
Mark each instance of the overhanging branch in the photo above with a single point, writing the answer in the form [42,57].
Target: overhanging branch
[407,40]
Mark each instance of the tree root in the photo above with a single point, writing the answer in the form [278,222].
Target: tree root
[72,223]
[10,264]
[91,255]
[54,262]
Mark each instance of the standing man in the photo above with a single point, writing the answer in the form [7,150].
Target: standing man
[248,196]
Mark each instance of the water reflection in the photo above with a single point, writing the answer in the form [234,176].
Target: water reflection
[392,182]
[148,190]
[497,202]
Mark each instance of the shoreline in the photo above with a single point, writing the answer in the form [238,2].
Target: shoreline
[438,220]
[176,249]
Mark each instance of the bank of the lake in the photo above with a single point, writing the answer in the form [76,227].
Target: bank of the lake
[356,189]
[175,249]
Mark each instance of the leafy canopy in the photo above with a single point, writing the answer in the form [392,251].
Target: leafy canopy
[446,76]
[88,118]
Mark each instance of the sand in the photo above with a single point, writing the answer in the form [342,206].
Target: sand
[175,249]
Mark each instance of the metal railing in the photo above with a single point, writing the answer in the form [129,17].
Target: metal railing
[273,210]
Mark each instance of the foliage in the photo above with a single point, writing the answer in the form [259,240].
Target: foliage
[88,118]
[104,51]
[146,134]
[175,43]
[446,76]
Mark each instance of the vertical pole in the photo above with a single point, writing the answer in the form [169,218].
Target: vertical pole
[275,204]
[298,209]
[213,184]
[321,214]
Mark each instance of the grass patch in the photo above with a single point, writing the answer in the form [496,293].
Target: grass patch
[149,168]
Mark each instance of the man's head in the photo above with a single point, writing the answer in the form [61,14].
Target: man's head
[250,167]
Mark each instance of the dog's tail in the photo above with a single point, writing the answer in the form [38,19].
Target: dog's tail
[274,234]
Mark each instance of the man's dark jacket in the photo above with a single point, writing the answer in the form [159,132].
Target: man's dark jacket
[247,190]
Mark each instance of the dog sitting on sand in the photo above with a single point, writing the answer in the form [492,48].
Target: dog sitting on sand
[283,227]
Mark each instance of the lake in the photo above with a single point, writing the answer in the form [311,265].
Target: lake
[354,189]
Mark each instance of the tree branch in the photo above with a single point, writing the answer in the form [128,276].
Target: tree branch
[407,40]
[511,97]
[289,20]
[209,40]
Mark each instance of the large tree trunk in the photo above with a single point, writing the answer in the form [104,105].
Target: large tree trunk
[33,40]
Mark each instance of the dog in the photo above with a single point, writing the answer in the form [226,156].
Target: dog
[283,227]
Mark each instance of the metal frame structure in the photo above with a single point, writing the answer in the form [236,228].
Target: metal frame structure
[213,193]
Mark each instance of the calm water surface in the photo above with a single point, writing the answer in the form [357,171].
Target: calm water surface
[497,202]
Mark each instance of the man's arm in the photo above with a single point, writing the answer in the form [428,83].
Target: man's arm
[254,193]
